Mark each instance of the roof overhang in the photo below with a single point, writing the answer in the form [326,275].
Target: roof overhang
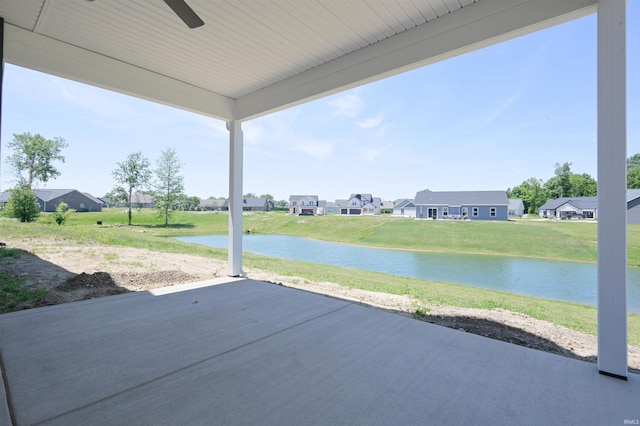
[46,47]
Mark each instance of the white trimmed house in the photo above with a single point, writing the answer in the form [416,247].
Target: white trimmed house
[587,207]
[360,204]
[306,205]
[567,208]
[405,207]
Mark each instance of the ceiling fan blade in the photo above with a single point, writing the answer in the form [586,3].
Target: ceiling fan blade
[185,13]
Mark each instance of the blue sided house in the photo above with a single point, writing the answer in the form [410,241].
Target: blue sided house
[468,205]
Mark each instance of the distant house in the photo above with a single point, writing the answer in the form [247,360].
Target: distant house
[360,204]
[516,207]
[405,207]
[305,205]
[141,200]
[49,199]
[387,206]
[587,207]
[567,208]
[331,207]
[472,205]
[328,206]
[214,205]
[4,198]
[257,205]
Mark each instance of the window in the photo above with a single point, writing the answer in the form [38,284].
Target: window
[493,212]
[465,211]
[475,212]
[445,211]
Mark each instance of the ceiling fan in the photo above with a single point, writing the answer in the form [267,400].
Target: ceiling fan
[184,12]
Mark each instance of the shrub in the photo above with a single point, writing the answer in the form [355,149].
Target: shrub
[23,204]
[62,213]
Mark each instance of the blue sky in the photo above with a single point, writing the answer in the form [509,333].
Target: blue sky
[483,121]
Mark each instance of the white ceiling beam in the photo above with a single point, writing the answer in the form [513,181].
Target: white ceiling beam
[473,27]
[40,53]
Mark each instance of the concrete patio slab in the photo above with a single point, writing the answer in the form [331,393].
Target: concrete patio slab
[249,352]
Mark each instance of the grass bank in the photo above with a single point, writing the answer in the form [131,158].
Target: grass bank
[574,240]
[558,240]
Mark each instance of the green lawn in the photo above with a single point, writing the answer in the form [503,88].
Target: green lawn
[557,240]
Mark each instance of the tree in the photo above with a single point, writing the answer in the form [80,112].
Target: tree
[132,173]
[532,193]
[23,204]
[267,197]
[633,178]
[250,195]
[582,185]
[560,185]
[169,185]
[633,162]
[33,157]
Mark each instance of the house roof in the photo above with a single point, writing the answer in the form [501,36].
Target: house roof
[140,198]
[365,197]
[47,195]
[213,203]
[254,202]
[632,194]
[303,197]
[306,49]
[92,198]
[50,194]
[516,204]
[456,198]
[584,202]
[578,202]
[407,202]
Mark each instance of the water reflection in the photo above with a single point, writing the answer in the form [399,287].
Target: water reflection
[567,281]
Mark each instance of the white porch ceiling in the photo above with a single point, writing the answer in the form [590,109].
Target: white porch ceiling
[253,57]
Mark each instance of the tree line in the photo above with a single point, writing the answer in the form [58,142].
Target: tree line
[534,192]
[33,162]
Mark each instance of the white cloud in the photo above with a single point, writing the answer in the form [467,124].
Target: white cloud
[370,154]
[316,148]
[346,105]
[369,123]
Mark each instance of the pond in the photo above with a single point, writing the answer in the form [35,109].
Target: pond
[559,280]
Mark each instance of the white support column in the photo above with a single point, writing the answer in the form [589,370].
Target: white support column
[235,198]
[612,189]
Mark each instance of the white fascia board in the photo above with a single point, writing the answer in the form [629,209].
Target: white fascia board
[470,28]
[37,52]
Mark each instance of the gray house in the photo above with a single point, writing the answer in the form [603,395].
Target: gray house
[329,206]
[215,205]
[473,205]
[48,200]
[516,207]
[633,206]
[257,205]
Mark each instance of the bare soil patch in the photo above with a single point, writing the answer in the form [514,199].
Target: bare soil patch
[73,272]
